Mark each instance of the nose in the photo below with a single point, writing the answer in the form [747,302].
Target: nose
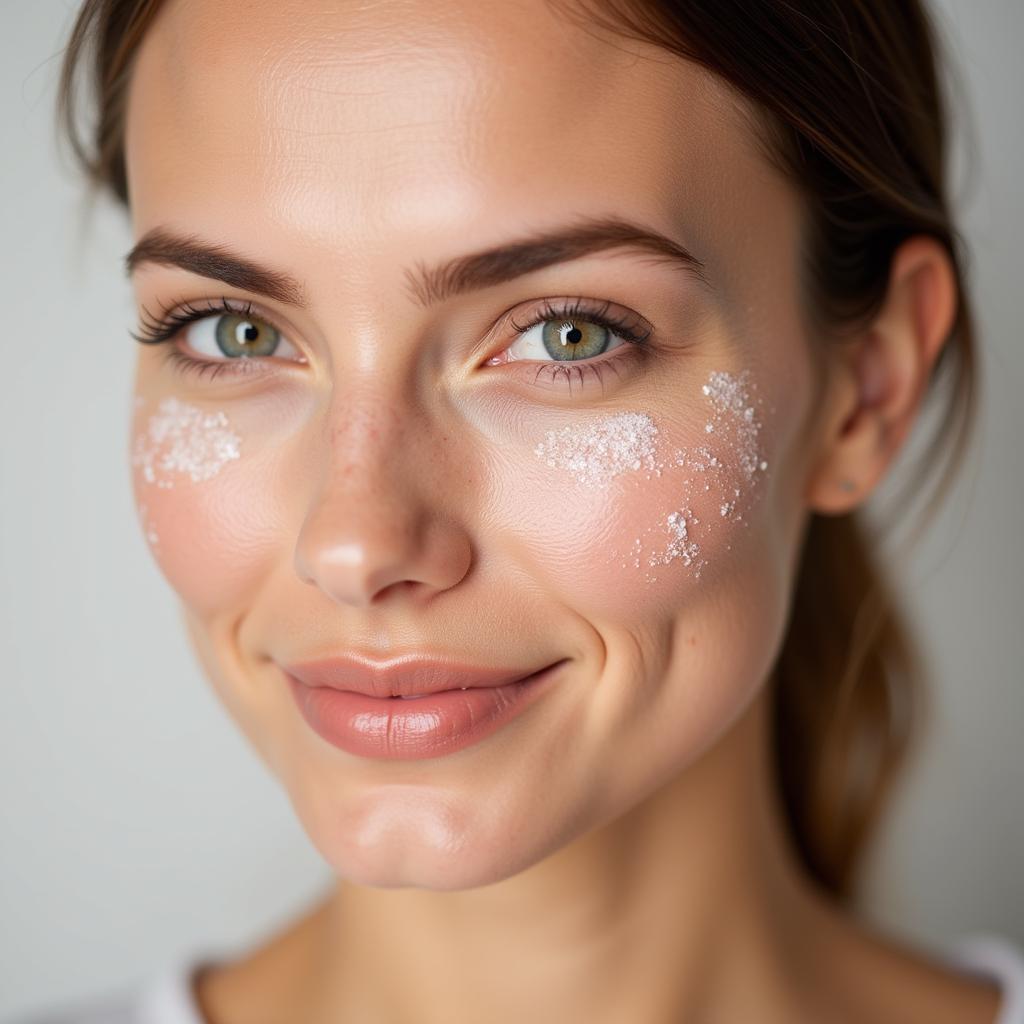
[375,527]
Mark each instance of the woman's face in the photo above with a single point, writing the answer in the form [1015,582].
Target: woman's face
[377,458]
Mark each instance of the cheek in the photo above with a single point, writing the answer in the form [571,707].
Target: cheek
[208,490]
[671,540]
[638,513]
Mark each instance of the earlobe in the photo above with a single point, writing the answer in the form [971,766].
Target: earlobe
[879,382]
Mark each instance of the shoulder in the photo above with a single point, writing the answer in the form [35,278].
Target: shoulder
[870,974]
[997,958]
[974,979]
[165,996]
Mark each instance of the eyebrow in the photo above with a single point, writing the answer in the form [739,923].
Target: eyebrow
[426,284]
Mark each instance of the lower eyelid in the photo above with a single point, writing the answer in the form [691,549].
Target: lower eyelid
[182,363]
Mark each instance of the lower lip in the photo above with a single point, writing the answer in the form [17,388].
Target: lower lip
[390,728]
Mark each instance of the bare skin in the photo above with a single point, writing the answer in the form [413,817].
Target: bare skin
[617,853]
[614,944]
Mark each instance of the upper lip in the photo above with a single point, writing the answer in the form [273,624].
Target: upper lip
[407,675]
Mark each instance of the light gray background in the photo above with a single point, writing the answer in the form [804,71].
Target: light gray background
[138,826]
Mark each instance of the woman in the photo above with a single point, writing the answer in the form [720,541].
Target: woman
[512,378]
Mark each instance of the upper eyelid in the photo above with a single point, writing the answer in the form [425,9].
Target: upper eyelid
[596,310]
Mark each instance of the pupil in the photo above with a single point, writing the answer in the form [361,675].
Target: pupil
[250,332]
[574,335]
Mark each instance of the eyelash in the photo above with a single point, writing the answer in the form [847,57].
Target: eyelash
[156,330]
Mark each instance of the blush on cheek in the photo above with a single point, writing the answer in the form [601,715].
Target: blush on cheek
[202,504]
[211,545]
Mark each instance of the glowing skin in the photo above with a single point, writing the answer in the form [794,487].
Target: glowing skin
[385,493]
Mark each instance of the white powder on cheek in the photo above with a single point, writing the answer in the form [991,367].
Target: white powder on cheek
[680,546]
[599,453]
[147,527]
[182,439]
[735,423]
[736,459]
[729,397]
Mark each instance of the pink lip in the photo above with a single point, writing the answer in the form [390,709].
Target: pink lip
[404,676]
[355,703]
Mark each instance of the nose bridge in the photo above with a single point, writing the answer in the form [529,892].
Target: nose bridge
[374,524]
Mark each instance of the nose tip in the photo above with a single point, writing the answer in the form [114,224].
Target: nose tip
[361,557]
[378,523]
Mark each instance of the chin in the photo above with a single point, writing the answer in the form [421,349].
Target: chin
[396,865]
[412,837]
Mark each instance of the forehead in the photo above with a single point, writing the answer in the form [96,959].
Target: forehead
[351,124]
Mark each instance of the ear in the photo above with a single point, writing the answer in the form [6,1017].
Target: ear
[878,380]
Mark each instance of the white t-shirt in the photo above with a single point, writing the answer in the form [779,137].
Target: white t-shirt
[166,996]
[988,954]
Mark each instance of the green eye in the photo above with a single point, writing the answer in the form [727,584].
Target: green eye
[240,336]
[565,340]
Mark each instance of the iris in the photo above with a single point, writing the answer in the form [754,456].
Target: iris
[574,339]
[240,336]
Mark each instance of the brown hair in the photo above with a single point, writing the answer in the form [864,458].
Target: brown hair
[853,113]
